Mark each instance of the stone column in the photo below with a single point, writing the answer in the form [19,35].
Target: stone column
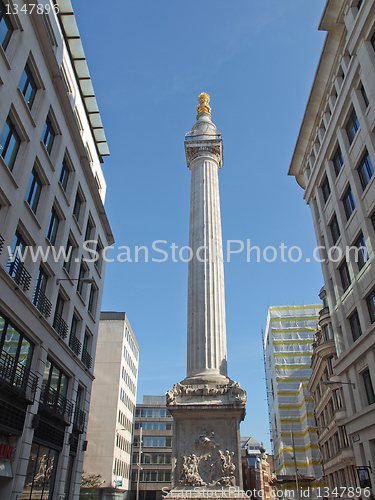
[206,333]
[207,407]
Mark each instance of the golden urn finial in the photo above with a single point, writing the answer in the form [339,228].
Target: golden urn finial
[203,107]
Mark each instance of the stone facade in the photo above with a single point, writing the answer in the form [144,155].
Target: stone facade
[52,191]
[333,163]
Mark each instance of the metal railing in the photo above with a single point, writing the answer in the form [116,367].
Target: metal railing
[19,273]
[79,420]
[75,344]
[42,303]
[60,326]
[56,404]
[17,376]
[86,359]
[1,243]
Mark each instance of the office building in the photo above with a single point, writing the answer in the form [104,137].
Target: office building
[333,163]
[155,453]
[337,452]
[114,391]
[52,191]
[288,340]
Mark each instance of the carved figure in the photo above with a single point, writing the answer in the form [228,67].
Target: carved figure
[189,473]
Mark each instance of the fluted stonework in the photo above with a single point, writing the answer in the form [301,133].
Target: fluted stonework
[207,406]
[206,339]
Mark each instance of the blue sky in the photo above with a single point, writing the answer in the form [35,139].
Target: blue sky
[149,61]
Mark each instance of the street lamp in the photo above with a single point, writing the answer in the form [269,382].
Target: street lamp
[332,382]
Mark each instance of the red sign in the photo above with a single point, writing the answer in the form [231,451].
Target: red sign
[6,451]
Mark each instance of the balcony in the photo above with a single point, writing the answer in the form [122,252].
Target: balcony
[57,405]
[60,326]
[1,243]
[43,304]
[16,377]
[75,344]
[19,273]
[79,420]
[86,359]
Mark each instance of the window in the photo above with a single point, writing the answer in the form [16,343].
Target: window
[338,160]
[373,220]
[335,230]
[74,342]
[361,254]
[326,332]
[326,190]
[355,326]
[337,399]
[373,41]
[364,95]
[6,28]
[99,250]
[68,255]
[86,349]
[64,173]
[58,323]
[89,229]
[9,143]
[348,202]
[371,306]
[54,387]
[41,302]
[28,86]
[16,267]
[344,275]
[77,205]
[368,387]
[54,222]
[33,190]
[365,170]
[98,184]
[81,277]
[48,135]
[352,126]
[92,299]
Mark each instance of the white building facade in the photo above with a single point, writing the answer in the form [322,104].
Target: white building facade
[52,191]
[333,162]
[113,401]
[288,340]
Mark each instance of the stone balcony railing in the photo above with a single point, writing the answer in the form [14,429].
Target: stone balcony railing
[19,273]
[42,303]
[55,404]
[79,420]
[60,326]
[86,359]
[75,344]
[17,378]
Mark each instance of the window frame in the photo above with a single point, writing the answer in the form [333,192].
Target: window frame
[355,325]
[28,81]
[326,189]
[337,160]
[11,134]
[352,126]
[365,169]
[34,190]
[333,226]
[53,226]
[344,275]
[49,134]
[348,202]
[4,17]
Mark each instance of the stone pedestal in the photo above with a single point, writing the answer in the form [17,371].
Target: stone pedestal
[206,439]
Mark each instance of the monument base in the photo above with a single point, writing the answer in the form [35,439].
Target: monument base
[206,439]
